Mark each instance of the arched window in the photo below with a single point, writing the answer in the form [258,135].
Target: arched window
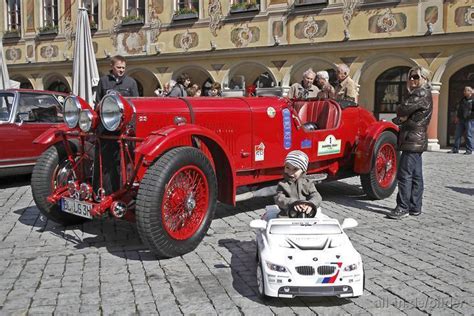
[390,91]
[59,86]
[457,82]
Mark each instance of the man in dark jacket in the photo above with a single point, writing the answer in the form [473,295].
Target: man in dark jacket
[179,89]
[413,116]
[465,122]
[116,80]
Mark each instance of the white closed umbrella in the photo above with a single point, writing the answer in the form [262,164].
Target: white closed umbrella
[4,78]
[84,69]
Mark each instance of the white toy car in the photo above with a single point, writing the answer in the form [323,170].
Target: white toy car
[306,257]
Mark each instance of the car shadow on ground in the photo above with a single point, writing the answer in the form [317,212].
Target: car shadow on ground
[350,195]
[243,267]
[119,237]
[14,181]
[468,191]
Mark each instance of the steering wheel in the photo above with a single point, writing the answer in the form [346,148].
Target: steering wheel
[293,213]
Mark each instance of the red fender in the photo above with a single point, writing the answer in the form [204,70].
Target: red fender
[52,135]
[365,148]
[162,140]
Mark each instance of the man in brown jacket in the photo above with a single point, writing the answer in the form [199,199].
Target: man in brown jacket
[346,88]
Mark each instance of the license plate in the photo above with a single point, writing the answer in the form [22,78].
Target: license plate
[75,207]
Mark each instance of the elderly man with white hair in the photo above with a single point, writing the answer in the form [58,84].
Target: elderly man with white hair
[306,89]
[346,88]
[322,81]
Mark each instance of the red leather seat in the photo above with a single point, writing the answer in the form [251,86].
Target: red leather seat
[325,114]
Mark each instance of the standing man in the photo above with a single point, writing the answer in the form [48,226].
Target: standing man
[306,89]
[465,122]
[117,80]
[346,88]
[413,116]
[322,81]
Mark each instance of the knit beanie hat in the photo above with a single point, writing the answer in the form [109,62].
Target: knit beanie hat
[297,159]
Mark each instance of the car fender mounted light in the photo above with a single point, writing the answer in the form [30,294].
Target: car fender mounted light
[115,112]
[88,120]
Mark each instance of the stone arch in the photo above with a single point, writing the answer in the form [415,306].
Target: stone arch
[25,83]
[56,82]
[296,71]
[146,81]
[247,73]
[441,78]
[372,68]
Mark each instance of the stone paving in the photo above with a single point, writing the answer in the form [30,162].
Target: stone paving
[414,266]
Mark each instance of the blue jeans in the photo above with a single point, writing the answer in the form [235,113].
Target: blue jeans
[461,126]
[410,182]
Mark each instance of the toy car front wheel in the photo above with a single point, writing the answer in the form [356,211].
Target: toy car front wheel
[176,202]
[261,282]
[53,170]
[380,182]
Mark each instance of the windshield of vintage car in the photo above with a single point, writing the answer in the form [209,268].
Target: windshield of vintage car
[6,103]
[305,229]
[43,108]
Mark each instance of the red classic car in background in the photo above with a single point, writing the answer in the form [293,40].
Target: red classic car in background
[24,115]
[164,162]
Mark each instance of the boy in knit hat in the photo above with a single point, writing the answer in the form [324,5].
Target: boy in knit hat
[296,192]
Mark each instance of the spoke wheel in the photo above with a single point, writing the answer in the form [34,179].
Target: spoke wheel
[185,202]
[380,182]
[176,202]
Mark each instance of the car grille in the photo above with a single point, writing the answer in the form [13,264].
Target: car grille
[326,270]
[305,270]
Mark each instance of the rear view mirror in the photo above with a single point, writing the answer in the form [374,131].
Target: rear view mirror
[349,223]
[258,224]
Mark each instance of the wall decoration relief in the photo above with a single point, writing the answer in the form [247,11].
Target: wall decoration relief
[387,22]
[111,9]
[13,54]
[431,15]
[157,5]
[117,22]
[348,10]
[155,24]
[277,29]
[95,46]
[133,42]
[48,52]
[186,40]
[311,29]
[244,35]
[215,16]
[464,16]
[278,63]
[68,32]
[29,51]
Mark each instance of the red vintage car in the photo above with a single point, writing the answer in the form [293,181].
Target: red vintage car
[164,162]
[24,115]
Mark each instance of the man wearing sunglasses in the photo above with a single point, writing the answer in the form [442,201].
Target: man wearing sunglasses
[413,116]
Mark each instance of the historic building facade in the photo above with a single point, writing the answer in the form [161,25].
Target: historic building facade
[267,43]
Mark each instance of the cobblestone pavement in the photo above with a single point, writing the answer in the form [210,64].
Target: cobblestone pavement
[413,266]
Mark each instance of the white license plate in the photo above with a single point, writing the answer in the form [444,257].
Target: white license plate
[75,207]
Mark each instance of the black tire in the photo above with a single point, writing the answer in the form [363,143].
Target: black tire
[260,281]
[371,186]
[43,180]
[152,228]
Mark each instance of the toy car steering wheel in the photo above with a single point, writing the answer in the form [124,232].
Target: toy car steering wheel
[293,213]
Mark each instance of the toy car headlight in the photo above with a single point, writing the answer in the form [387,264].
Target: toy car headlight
[85,120]
[351,267]
[275,267]
[72,109]
[111,112]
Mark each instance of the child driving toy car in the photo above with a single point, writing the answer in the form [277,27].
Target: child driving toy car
[296,195]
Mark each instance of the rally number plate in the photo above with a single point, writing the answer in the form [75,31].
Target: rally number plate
[75,207]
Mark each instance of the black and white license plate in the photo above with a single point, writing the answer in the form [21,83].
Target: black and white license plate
[75,207]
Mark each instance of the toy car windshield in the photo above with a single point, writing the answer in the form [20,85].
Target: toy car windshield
[303,228]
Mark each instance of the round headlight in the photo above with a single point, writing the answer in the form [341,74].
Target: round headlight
[85,120]
[111,112]
[72,108]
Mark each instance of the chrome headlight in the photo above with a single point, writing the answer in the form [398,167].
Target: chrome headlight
[72,109]
[85,120]
[111,112]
